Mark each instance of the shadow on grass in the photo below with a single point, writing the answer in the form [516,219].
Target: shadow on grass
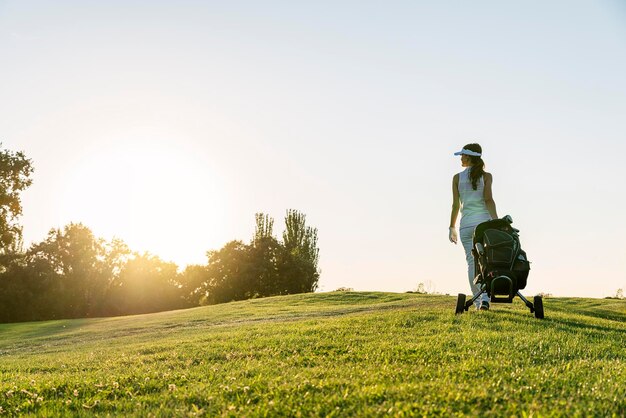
[42,329]
[36,336]
[567,324]
[593,312]
[582,326]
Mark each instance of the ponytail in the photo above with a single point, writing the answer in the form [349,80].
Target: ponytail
[477,171]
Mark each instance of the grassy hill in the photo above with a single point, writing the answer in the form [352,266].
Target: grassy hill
[329,354]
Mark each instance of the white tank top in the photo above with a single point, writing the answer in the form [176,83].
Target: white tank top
[473,207]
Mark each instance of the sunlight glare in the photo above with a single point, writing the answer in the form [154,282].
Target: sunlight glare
[155,194]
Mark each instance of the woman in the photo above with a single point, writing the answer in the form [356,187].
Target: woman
[471,193]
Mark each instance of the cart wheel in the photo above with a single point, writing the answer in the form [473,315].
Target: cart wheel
[460,303]
[538,307]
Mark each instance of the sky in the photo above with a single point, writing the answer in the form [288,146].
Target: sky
[170,124]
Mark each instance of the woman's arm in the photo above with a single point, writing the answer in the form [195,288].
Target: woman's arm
[455,209]
[456,204]
[491,204]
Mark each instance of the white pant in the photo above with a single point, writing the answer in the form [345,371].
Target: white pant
[467,235]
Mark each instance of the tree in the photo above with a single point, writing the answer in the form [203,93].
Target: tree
[15,172]
[228,273]
[264,227]
[300,270]
[193,284]
[19,290]
[421,289]
[263,257]
[265,267]
[146,284]
[70,274]
[300,239]
[77,270]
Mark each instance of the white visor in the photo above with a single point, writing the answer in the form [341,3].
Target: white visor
[468,152]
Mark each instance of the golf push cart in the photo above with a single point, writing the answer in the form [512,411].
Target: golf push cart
[501,266]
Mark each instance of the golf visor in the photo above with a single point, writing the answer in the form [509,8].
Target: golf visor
[468,152]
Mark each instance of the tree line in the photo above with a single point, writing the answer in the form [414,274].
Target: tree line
[74,274]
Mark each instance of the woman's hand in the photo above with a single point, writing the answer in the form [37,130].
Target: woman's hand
[452,235]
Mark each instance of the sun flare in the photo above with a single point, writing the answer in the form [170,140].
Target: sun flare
[153,193]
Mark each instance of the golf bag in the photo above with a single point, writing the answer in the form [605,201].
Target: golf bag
[501,266]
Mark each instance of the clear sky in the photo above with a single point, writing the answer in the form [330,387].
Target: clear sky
[169,124]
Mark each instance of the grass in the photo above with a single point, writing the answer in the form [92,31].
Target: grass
[329,354]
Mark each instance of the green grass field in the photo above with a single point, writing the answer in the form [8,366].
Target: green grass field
[328,354]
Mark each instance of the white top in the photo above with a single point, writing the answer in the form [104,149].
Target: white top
[473,208]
